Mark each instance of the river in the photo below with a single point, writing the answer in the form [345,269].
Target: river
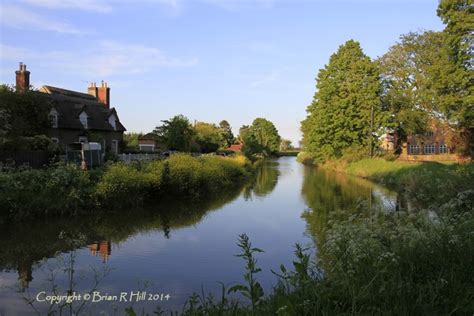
[170,250]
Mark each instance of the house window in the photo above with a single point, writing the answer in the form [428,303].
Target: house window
[115,146]
[82,139]
[147,147]
[443,149]
[429,149]
[429,134]
[55,140]
[53,118]
[414,149]
[83,118]
[113,121]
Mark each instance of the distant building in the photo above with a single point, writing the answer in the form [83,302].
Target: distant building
[236,147]
[78,117]
[101,248]
[433,145]
[148,143]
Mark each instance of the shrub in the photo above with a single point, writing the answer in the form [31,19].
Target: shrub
[56,190]
[123,185]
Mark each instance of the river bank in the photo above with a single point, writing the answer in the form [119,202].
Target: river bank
[66,190]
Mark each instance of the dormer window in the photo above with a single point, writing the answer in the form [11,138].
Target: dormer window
[113,121]
[53,118]
[83,118]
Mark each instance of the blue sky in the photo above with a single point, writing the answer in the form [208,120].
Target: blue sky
[206,59]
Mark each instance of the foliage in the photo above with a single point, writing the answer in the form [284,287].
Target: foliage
[131,141]
[209,137]
[348,95]
[400,263]
[23,114]
[285,144]
[252,290]
[227,134]
[459,91]
[120,180]
[176,133]
[27,193]
[261,138]
[31,193]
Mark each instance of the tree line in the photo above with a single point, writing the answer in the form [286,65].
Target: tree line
[178,133]
[425,76]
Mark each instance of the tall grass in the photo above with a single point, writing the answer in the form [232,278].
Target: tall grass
[379,263]
[65,189]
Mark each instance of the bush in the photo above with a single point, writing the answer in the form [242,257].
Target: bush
[56,190]
[123,185]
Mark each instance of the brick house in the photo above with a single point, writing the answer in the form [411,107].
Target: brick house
[78,117]
[433,145]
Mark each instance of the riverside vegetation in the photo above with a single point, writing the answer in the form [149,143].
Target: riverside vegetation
[411,262]
[27,193]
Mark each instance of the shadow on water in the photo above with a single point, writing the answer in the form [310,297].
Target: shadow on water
[264,182]
[24,244]
[328,193]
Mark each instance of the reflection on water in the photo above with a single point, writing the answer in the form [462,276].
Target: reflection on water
[331,192]
[176,247]
[264,181]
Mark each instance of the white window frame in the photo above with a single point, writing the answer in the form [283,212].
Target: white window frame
[113,121]
[53,116]
[55,140]
[147,146]
[413,149]
[115,146]
[83,118]
[429,149]
[443,149]
[83,139]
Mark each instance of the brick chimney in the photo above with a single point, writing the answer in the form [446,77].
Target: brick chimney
[103,94]
[22,79]
[92,89]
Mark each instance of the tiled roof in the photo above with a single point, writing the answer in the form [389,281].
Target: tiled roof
[69,104]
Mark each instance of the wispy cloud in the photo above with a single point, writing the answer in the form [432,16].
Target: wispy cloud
[86,5]
[20,18]
[271,77]
[107,58]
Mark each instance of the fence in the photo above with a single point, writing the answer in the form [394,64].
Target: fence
[127,158]
[33,158]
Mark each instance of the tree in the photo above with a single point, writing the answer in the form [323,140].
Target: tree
[176,133]
[208,136]
[413,72]
[285,144]
[346,109]
[243,130]
[458,17]
[131,140]
[227,134]
[261,137]
[23,114]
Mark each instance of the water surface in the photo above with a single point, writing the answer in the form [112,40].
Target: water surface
[176,248]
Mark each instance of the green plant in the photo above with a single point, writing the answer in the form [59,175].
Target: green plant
[252,290]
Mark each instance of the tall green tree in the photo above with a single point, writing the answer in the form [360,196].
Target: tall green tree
[176,133]
[209,137]
[227,134]
[346,109]
[458,15]
[414,72]
[261,137]
[25,114]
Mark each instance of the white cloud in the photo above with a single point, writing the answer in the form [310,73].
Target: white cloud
[106,58]
[20,18]
[86,5]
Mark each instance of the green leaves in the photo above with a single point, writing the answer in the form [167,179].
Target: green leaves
[253,290]
[339,117]
[261,137]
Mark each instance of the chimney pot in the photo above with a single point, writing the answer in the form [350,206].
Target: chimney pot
[22,78]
